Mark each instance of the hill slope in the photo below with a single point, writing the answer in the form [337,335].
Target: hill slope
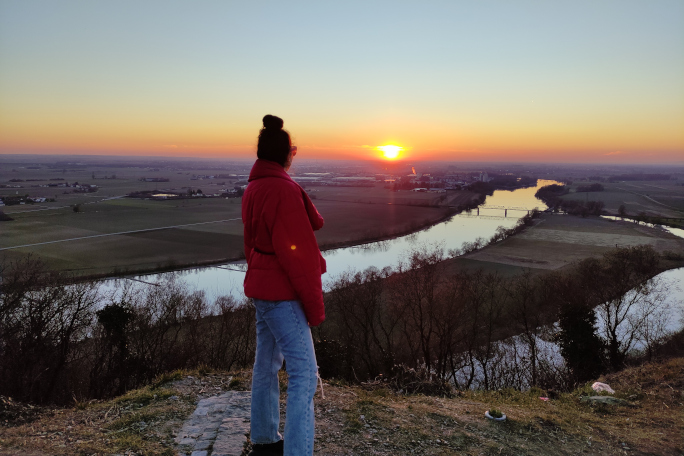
[375,420]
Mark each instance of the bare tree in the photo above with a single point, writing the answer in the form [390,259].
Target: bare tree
[621,285]
[231,333]
[490,319]
[636,321]
[44,320]
[161,327]
[526,312]
[415,290]
[363,324]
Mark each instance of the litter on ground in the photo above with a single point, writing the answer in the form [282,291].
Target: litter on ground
[598,387]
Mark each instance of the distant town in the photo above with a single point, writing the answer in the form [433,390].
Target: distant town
[231,178]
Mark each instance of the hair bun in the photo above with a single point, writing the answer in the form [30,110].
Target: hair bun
[272,122]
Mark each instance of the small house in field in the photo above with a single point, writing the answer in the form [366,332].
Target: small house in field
[164,196]
[154,179]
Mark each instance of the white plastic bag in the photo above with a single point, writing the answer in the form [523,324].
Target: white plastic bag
[598,387]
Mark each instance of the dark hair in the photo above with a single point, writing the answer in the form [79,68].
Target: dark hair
[274,142]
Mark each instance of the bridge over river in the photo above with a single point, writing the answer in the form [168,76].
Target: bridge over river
[483,221]
[503,208]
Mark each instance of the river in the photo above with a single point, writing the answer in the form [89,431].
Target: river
[226,279]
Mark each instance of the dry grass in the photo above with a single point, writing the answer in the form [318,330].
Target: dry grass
[142,421]
[353,420]
[356,421]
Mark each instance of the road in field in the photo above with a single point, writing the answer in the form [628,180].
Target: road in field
[119,233]
[649,198]
[46,208]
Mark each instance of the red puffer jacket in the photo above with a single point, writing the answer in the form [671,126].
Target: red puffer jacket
[283,259]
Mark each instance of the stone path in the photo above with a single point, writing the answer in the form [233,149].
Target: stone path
[217,427]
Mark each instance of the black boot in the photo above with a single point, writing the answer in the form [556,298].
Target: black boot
[267,449]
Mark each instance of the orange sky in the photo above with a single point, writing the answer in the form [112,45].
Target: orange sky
[579,82]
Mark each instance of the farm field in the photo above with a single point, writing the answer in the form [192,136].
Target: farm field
[203,230]
[654,198]
[556,241]
[114,181]
[113,234]
[380,195]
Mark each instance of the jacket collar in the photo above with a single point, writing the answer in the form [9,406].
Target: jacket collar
[266,168]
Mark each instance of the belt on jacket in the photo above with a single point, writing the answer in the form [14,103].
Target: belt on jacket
[262,252]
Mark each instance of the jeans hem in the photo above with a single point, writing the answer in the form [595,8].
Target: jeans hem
[263,443]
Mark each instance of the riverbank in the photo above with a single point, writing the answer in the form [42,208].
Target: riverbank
[441,214]
[553,242]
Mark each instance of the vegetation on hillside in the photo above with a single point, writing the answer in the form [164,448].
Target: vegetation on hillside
[62,340]
[457,328]
[589,188]
[551,196]
[371,419]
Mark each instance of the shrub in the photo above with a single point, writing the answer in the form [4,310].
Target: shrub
[407,380]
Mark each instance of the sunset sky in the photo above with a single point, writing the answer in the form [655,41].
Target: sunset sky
[561,81]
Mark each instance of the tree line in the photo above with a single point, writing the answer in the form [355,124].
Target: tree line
[61,339]
[482,330]
[551,196]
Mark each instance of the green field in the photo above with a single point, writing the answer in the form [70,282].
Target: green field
[213,240]
[654,198]
[556,241]
[111,233]
[380,195]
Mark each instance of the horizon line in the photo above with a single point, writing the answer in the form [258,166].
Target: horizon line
[303,159]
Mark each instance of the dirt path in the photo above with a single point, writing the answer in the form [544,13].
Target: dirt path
[651,199]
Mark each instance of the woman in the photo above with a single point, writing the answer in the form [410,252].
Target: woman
[284,267]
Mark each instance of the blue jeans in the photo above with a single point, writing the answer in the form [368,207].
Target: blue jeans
[283,333]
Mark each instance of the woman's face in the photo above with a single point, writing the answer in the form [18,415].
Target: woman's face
[290,157]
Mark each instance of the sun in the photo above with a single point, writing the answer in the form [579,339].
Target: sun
[390,152]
